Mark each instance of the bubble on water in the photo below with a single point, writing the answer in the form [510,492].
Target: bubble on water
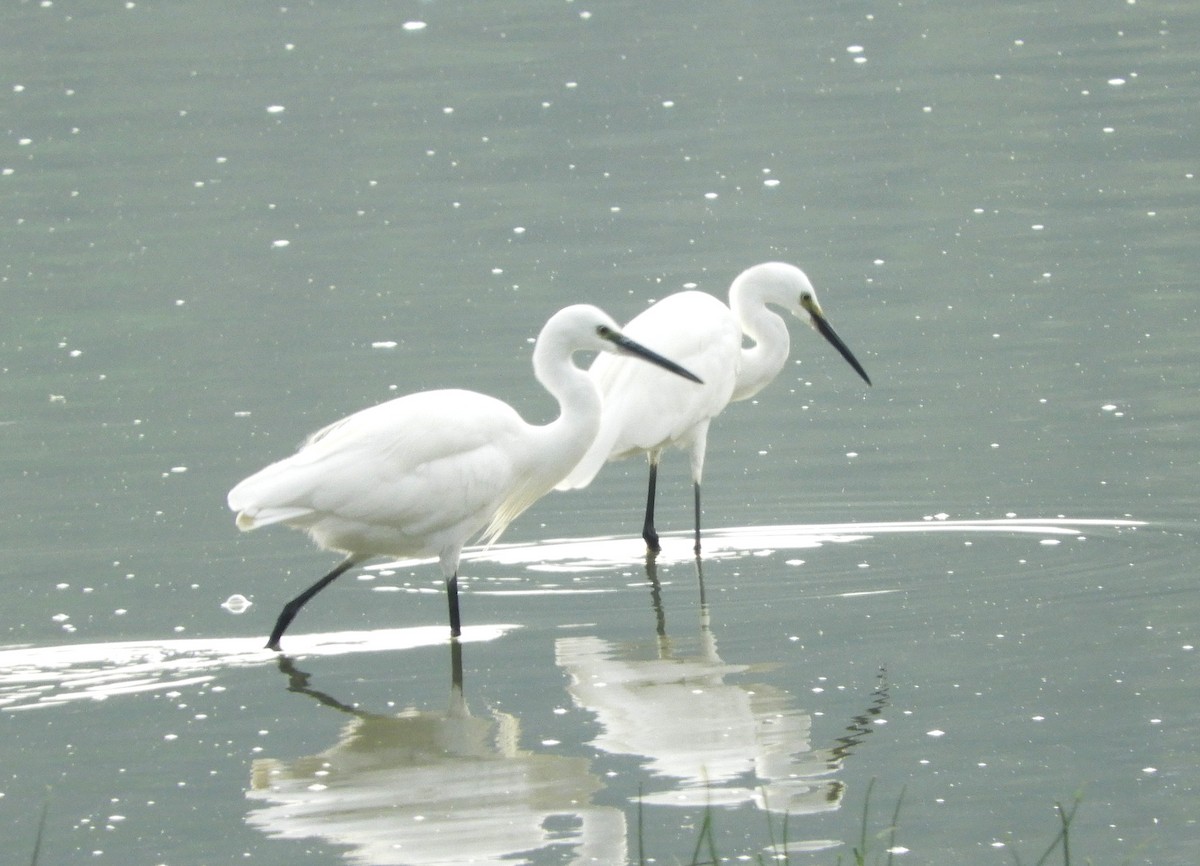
[237,603]
[413,26]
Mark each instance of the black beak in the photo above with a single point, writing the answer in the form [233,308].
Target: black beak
[825,330]
[631,347]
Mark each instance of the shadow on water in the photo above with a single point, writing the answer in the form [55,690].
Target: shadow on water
[703,734]
[448,786]
[425,786]
[434,787]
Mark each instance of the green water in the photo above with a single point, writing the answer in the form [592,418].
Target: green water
[217,220]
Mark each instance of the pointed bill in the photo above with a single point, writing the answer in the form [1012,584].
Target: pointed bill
[826,330]
[630,347]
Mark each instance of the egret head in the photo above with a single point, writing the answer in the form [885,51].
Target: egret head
[816,317]
[583,327]
[789,287]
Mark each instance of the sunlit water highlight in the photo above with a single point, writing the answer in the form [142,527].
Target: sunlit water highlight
[47,676]
[607,552]
[38,677]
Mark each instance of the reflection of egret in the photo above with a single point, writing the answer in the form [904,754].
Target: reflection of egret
[644,412]
[721,742]
[420,475]
[435,787]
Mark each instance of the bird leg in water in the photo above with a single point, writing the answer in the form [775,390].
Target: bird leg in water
[648,532]
[293,607]
[696,548]
[452,595]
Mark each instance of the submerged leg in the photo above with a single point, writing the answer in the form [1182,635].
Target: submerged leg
[452,595]
[660,617]
[456,679]
[293,607]
[648,531]
[696,488]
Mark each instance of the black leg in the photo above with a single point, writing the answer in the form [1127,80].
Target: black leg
[697,496]
[293,607]
[648,532]
[452,595]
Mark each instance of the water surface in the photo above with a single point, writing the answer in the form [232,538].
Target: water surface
[973,582]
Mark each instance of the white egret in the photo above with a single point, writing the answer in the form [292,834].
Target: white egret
[422,474]
[644,412]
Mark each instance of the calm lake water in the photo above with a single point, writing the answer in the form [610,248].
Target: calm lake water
[971,588]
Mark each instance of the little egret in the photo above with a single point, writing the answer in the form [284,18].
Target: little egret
[420,475]
[644,412]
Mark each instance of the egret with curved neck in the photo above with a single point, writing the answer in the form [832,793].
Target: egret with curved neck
[646,413]
[420,475]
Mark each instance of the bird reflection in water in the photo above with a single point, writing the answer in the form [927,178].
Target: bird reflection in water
[705,740]
[434,787]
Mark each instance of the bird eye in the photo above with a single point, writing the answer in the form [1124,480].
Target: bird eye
[604,331]
[806,298]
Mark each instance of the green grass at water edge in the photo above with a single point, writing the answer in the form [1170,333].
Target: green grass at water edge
[862,854]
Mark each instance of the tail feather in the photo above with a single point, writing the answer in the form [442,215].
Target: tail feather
[253,518]
[271,495]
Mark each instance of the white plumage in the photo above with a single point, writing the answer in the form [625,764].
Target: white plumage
[421,475]
[646,412]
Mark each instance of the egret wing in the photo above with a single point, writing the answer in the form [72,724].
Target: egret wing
[412,467]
